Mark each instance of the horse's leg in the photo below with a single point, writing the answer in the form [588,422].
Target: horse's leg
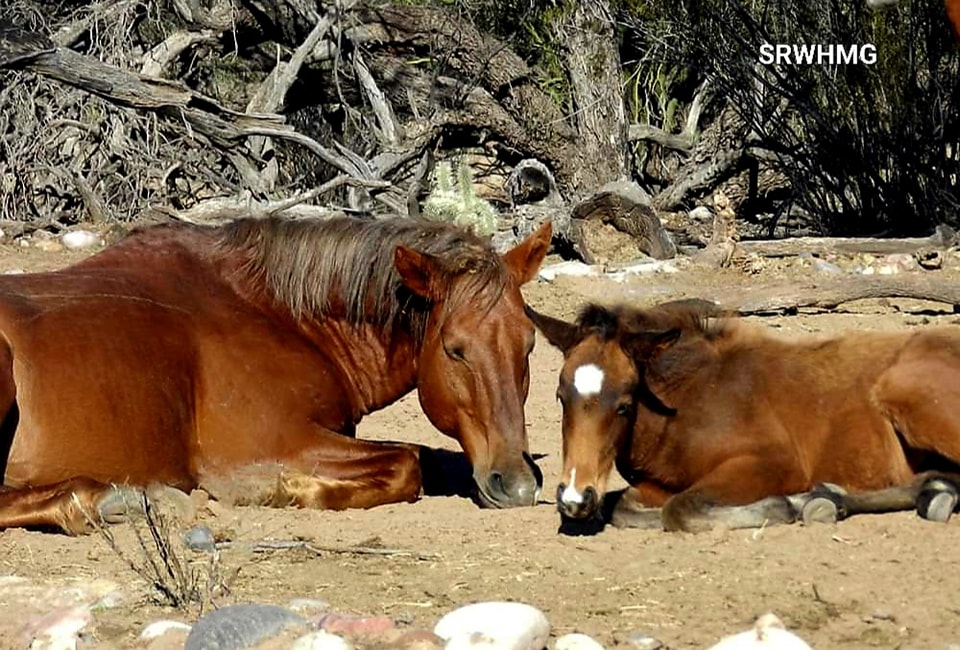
[336,473]
[639,507]
[74,506]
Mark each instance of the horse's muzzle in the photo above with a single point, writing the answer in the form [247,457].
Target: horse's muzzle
[511,489]
[577,505]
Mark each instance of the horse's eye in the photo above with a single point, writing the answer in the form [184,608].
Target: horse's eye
[623,410]
[455,352]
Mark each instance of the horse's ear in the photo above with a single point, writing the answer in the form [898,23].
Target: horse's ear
[645,346]
[525,258]
[418,271]
[560,334]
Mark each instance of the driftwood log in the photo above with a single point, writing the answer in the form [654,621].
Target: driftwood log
[944,237]
[827,296]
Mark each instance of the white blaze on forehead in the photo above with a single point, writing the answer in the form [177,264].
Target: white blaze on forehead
[588,379]
[570,494]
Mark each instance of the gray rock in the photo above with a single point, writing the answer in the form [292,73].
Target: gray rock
[240,626]
[200,538]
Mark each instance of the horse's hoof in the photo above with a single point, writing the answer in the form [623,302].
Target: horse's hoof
[819,510]
[121,503]
[937,501]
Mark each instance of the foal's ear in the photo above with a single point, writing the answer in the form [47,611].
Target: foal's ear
[419,272]
[645,346]
[525,258]
[560,334]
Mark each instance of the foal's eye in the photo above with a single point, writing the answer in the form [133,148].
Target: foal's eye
[623,410]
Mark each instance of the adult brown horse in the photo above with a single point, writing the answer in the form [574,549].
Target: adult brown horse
[240,358]
[717,424]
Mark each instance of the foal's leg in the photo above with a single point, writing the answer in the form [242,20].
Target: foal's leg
[336,473]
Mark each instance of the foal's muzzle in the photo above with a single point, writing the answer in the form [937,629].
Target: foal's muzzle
[577,505]
[511,488]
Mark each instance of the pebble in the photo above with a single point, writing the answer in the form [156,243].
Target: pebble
[643,641]
[823,266]
[239,626]
[497,624]
[200,538]
[77,240]
[47,245]
[577,642]
[308,605]
[356,625]
[416,640]
[159,628]
[321,640]
[700,213]
[60,629]
[767,633]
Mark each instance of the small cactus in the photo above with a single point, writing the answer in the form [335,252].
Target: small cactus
[459,203]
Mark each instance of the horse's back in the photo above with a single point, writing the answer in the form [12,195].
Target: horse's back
[144,364]
[103,363]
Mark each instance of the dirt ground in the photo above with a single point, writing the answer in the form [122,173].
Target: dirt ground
[871,582]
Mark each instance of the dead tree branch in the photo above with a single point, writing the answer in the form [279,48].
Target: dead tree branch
[831,295]
[223,209]
[943,238]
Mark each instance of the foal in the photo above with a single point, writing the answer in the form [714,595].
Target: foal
[717,424]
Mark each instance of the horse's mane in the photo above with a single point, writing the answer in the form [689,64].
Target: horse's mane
[346,264]
[699,317]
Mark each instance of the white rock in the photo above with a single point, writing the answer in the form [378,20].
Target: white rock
[321,640]
[768,633]
[499,625]
[576,642]
[59,629]
[77,240]
[574,268]
[159,628]
[700,213]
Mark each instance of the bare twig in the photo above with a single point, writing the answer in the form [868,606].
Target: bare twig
[271,94]
[378,101]
[265,546]
[170,48]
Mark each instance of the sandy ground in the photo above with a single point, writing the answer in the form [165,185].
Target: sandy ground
[883,581]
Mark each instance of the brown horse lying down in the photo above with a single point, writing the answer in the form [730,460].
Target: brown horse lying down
[239,359]
[703,416]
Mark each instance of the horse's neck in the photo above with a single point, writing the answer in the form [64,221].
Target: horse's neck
[380,369]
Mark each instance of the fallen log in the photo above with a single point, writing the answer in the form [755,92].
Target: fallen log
[944,237]
[829,296]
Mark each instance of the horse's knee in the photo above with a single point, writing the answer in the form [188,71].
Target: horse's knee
[686,512]
[407,478]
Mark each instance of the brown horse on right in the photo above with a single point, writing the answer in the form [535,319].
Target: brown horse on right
[718,424]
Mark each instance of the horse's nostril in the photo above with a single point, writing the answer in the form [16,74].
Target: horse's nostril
[532,464]
[496,483]
[590,498]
